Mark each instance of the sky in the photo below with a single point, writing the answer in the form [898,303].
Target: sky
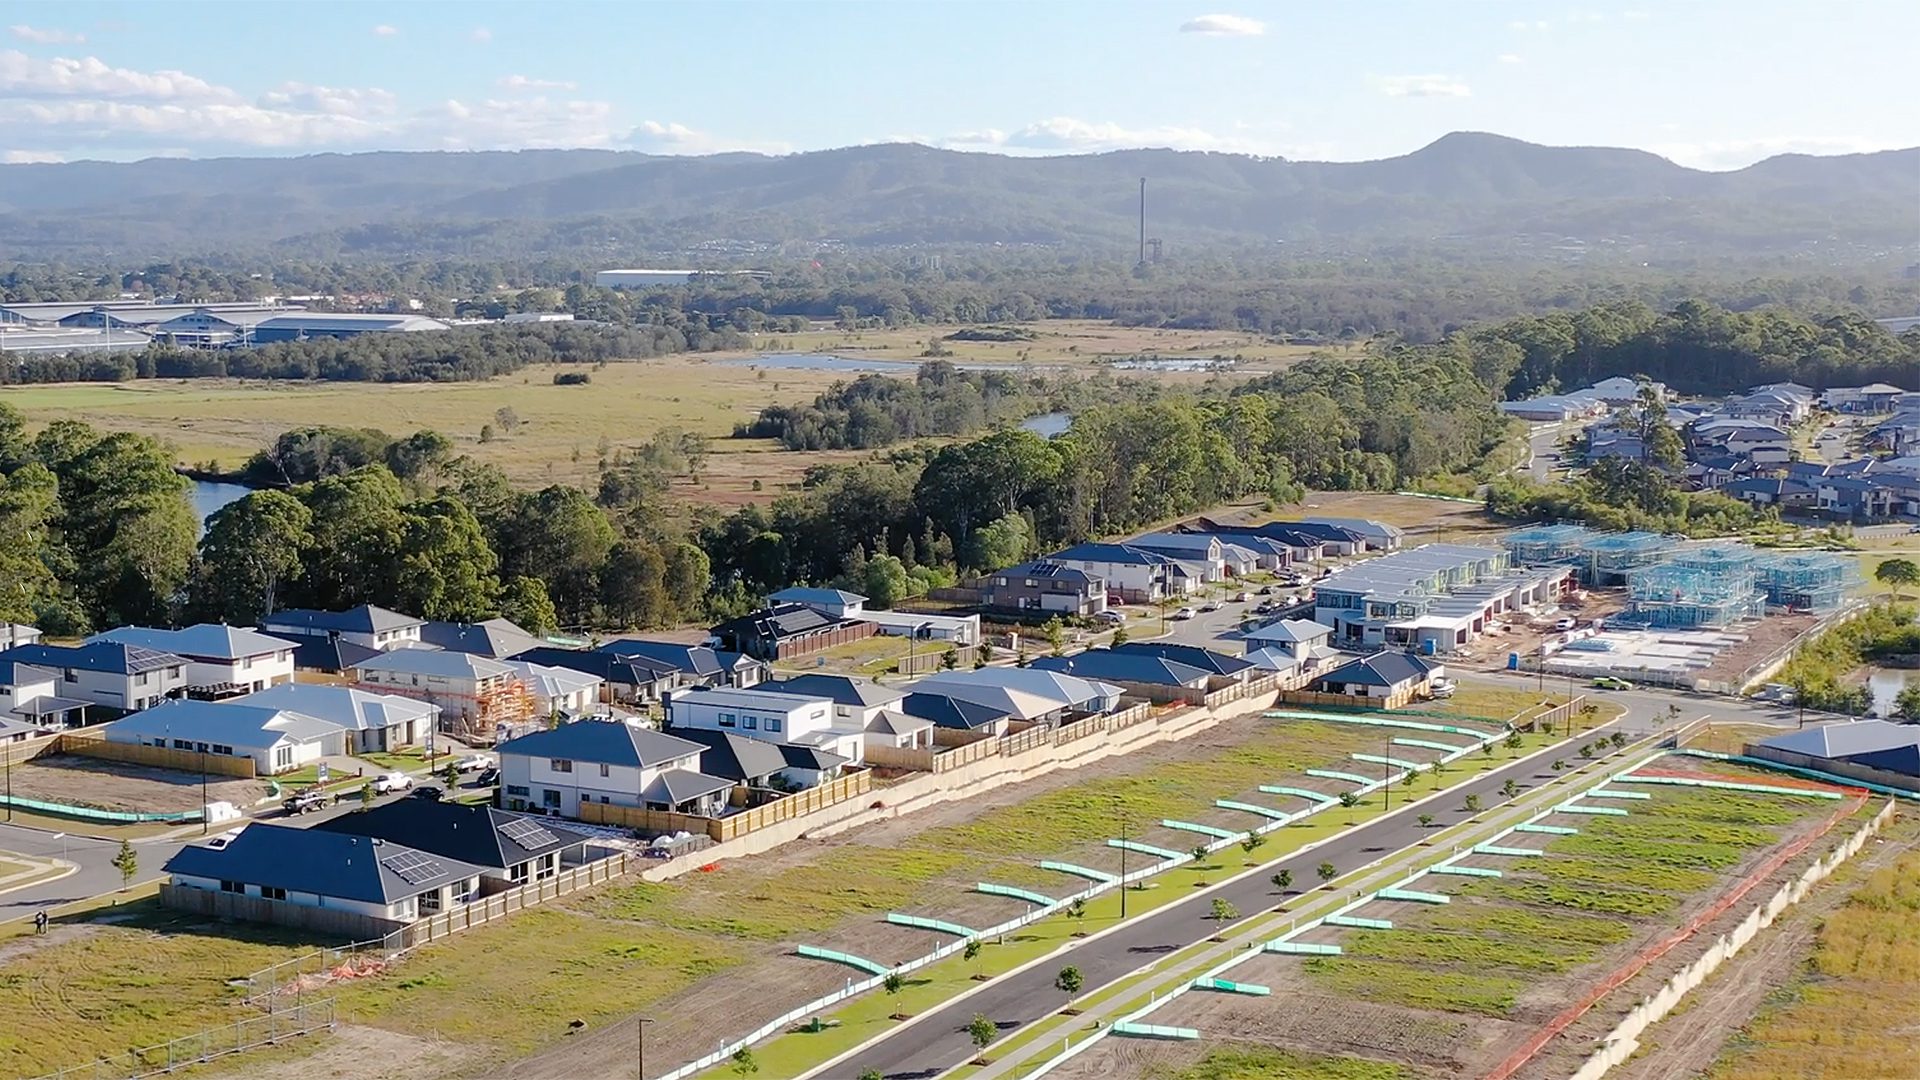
[1714,84]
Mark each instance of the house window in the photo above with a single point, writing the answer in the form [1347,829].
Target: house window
[561,765]
[140,679]
[430,900]
[273,892]
[605,770]
[749,722]
[517,873]
[221,748]
[283,757]
[726,719]
[516,789]
[71,675]
[604,799]
[550,797]
[182,744]
[233,887]
[773,723]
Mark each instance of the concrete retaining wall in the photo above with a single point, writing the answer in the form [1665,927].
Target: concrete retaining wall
[1623,1041]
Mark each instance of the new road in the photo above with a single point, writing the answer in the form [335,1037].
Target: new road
[938,1040]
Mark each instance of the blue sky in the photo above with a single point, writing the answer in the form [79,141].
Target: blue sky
[1710,83]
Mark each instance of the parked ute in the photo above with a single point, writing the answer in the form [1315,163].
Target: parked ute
[389,783]
[301,802]
[473,763]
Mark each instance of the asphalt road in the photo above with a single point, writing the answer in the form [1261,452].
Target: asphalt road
[939,1041]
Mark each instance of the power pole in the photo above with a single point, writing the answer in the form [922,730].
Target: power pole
[1121,815]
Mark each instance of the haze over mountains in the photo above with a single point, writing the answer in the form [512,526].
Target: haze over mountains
[1482,190]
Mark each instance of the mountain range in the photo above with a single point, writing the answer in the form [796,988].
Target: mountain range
[1465,188]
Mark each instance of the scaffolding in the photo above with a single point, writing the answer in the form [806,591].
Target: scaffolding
[1806,580]
[1678,597]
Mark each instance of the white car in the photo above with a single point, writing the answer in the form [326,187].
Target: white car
[474,763]
[388,783]
[1443,688]
[1211,605]
[1564,624]
[1183,613]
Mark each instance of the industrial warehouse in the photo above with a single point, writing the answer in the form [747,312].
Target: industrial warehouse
[131,325]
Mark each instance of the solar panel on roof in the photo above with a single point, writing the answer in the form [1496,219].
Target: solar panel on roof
[413,867]
[528,834]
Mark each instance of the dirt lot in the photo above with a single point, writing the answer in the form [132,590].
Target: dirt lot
[110,785]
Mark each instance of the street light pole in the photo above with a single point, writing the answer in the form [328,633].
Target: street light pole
[204,814]
[1121,817]
[1386,786]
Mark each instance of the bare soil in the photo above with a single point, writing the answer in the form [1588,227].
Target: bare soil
[112,785]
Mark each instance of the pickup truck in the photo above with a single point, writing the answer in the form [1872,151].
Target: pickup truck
[391,782]
[301,802]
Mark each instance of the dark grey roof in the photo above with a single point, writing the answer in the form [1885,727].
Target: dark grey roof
[1041,569]
[779,621]
[497,639]
[608,741]
[1113,666]
[1218,663]
[318,861]
[840,689]
[365,619]
[733,756]
[1380,669]
[696,660]
[951,712]
[479,835]
[330,654]
[685,785]
[623,670]
[103,656]
[811,757]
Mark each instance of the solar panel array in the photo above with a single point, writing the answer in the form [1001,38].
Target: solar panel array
[528,834]
[413,867]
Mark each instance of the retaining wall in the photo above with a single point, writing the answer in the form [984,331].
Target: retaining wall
[1623,1041]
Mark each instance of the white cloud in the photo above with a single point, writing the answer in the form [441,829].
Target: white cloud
[671,137]
[1739,153]
[31,157]
[24,76]
[1423,86]
[1586,17]
[1224,26]
[384,30]
[330,100]
[41,35]
[522,82]
[1635,15]
[480,34]
[1511,58]
[492,124]
[1523,24]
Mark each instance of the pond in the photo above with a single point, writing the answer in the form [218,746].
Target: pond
[1048,425]
[209,496]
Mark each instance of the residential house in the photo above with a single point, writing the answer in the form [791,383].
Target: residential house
[698,665]
[510,849]
[1382,675]
[220,659]
[833,603]
[125,677]
[1854,498]
[955,630]
[33,695]
[1301,639]
[319,868]
[277,740]
[496,639]
[475,694]
[1337,540]
[381,723]
[1782,408]
[785,631]
[748,762]
[558,690]
[330,656]
[1290,543]
[1044,587]
[610,762]
[957,714]
[1134,575]
[1873,398]
[1551,408]
[1133,671]
[367,626]
[12,633]
[810,766]
[856,701]
[632,680]
[899,730]
[1620,390]
[1028,693]
[1217,664]
[1379,535]
[764,713]
[12,731]
[1772,491]
[1436,597]
[1203,550]
[1615,442]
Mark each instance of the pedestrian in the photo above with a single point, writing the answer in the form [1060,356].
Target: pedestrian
[39,922]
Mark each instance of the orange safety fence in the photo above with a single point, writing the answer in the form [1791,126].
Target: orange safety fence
[1660,948]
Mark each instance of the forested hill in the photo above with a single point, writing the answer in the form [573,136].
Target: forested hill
[1487,190]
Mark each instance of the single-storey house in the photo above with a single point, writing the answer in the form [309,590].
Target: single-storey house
[510,849]
[1892,750]
[957,714]
[1772,491]
[323,869]
[1382,675]
[220,658]
[12,730]
[749,762]
[495,639]
[330,656]
[367,626]
[950,629]
[787,630]
[833,603]
[896,729]
[1379,535]
[1044,587]
[558,689]
[1132,670]
[372,722]
[126,677]
[1028,693]
[606,761]
[277,740]
[1217,664]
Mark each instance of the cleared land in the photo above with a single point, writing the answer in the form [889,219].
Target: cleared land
[1453,988]
[111,785]
[706,946]
[1066,341]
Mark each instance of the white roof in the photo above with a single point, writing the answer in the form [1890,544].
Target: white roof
[251,726]
[342,706]
[995,686]
[1270,660]
[1290,630]
[446,665]
[205,640]
[553,682]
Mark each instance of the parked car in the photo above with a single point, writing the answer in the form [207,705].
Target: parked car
[1242,597]
[1265,607]
[488,776]
[1210,605]
[1265,590]
[473,762]
[1112,618]
[388,783]
[1608,682]
[1565,624]
[301,802]
[1183,613]
[1443,688]
[431,794]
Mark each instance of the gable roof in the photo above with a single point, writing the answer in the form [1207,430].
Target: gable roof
[1052,571]
[685,785]
[951,712]
[553,682]
[608,741]
[213,641]
[1846,740]
[840,689]
[475,835]
[1271,660]
[320,861]
[108,657]
[779,621]
[255,727]
[624,670]
[18,672]
[342,706]
[803,595]
[1024,693]
[365,619]
[798,756]
[1290,630]
[1380,669]
[1124,667]
[495,638]
[734,756]
[1208,660]
[697,660]
[1112,554]
[892,722]
[436,663]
